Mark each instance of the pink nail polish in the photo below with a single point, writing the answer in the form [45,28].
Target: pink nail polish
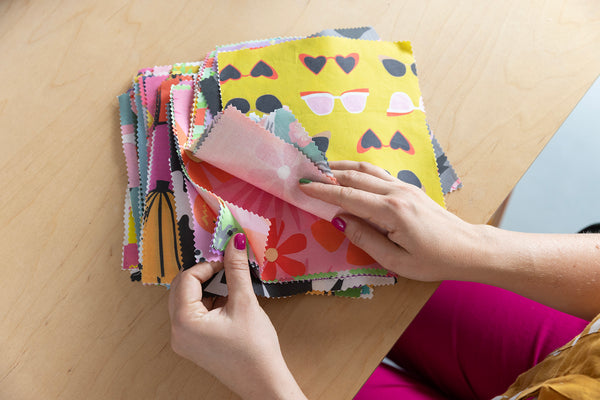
[239,241]
[339,224]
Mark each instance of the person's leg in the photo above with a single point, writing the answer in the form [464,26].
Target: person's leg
[389,383]
[471,341]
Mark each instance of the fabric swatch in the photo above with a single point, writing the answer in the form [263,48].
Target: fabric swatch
[345,87]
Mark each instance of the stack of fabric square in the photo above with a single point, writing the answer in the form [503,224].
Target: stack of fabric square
[217,147]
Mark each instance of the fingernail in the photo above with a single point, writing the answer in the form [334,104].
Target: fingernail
[239,241]
[304,181]
[339,224]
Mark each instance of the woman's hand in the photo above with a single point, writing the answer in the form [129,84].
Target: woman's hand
[231,337]
[407,232]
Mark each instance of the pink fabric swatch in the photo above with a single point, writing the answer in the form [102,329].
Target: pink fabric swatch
[258,157]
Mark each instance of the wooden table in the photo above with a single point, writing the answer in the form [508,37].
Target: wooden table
[498,78]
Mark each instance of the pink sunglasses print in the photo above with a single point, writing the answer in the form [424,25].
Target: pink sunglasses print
[401,104]
[322,103]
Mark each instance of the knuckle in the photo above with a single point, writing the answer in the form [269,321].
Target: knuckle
[345,193]
[394,203]
[363,166]
[238,265]
[412,190]
[356,236]
[353,175]
[406,188]
[183,275]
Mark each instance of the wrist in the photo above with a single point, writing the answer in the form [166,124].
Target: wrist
[499,256]
[282,383]
[280,388]
[272,382]
[485,254]
[283,387]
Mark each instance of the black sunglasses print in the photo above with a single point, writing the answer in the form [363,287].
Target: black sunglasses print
[396,68]
[267,103]
[409,177]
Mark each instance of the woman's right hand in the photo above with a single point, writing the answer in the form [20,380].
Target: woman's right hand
[398,225]
[408,233]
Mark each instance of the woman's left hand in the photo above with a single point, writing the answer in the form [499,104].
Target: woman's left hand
[232,337]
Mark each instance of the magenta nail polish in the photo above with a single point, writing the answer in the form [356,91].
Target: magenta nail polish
[339,224]
[239,241]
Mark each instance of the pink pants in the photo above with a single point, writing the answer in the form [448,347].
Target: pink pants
[470,341]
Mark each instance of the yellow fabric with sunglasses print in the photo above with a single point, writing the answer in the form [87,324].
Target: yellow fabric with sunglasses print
[361,98]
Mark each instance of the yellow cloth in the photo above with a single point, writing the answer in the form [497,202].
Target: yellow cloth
[341,71]
[571,372]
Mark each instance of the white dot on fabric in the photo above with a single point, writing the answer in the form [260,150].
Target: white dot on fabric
[283,172]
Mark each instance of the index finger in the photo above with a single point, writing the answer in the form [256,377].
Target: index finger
[362,166]
[186,288]
[360,203]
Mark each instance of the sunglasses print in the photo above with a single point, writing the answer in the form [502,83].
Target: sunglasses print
[316,64]
[261,68]
[370,140]
[396,68]
[409,177]
[401,104]
[322,103]
[322,139]
[267,103]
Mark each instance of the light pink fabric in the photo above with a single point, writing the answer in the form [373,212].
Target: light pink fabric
[256,156]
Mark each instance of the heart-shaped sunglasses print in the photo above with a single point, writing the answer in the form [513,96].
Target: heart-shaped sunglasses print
[322,103]
[316,64]
[396,68]
[261,68]
[322,139]
[369,140]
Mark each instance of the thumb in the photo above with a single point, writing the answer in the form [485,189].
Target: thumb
[237,272]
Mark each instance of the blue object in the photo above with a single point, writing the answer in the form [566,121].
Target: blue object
[560,192]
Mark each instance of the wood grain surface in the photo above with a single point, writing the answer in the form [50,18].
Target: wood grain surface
[498,78]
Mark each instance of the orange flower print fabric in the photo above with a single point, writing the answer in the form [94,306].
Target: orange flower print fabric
[280,250]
